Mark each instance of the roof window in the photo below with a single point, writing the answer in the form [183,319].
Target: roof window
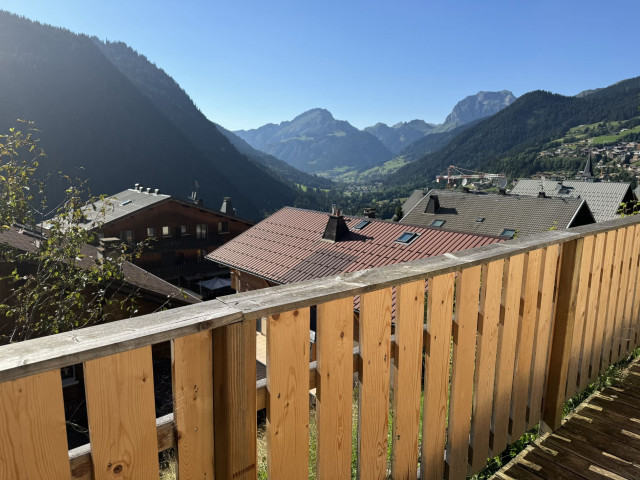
[507,232]
[407,237]
[361,225]
[126,202]
[437,223]
[479,219]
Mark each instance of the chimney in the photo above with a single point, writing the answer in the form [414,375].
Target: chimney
[502,191]
[227,207]
[148,190]
[135,187]
[542,195]
[369,212]
[433,205]
[336,227]
[156,191]
[109,248]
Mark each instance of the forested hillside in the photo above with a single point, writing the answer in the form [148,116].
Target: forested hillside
[510,140]
[97,124]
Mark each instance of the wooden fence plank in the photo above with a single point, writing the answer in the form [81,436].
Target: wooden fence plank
[526,339]
[543,335]
[33,435]
[623,277]
[463,363]
[591,320]
[487,346]
[582,302]
[436,381]
[611,332]
[631,289]
[604,283]
[288,386]
[373,378]
[234,395]
[506,351]
[334,392]
[626,295]
[192,365]
[122,420]
[635,309]
[566,293]
[407,376]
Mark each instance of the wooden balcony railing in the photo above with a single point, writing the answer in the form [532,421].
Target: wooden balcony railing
[535,320]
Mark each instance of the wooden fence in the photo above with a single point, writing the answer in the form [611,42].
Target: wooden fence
[511,330]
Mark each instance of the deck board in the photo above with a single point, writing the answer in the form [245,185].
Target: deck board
[600,440]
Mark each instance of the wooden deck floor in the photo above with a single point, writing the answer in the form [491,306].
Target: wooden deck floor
[601,440]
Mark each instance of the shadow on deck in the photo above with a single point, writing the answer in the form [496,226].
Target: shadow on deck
[600,440]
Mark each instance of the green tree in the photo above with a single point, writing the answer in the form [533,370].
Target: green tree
[399,213]
[54,286]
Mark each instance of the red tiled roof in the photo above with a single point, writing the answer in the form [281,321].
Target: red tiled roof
[288,247]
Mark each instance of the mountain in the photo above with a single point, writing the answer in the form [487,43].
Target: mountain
[510,140]
[475,107]
[278,167]
[402,134]
[138,127]
[468,110]
[315,142]
[174,102]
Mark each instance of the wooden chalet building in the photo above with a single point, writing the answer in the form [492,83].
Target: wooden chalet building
[181,233]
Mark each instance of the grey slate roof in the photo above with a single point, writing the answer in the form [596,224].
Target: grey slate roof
[122,204]
[528,215]
[603,198]
[412,201]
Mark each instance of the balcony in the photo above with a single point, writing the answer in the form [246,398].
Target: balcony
[506,333]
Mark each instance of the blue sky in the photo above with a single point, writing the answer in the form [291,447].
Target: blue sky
[247,63]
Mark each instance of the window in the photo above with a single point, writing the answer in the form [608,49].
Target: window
[437,223]
[126,202]
[201,230]
[165,231]
[126,236]
[508,233]
[407,237]
[361,225]
[479,219]
[151,232]
[183,230]
[223,227]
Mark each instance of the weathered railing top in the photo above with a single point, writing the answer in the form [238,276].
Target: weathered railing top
[48,353]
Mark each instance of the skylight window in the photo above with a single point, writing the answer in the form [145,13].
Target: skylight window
[437,223]
[507,232]
[361,225]
[479,219]
[407,237]
[126,202]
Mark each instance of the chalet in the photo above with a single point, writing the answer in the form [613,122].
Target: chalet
[295,244]
[181,233]
[494,214]
[603,198]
